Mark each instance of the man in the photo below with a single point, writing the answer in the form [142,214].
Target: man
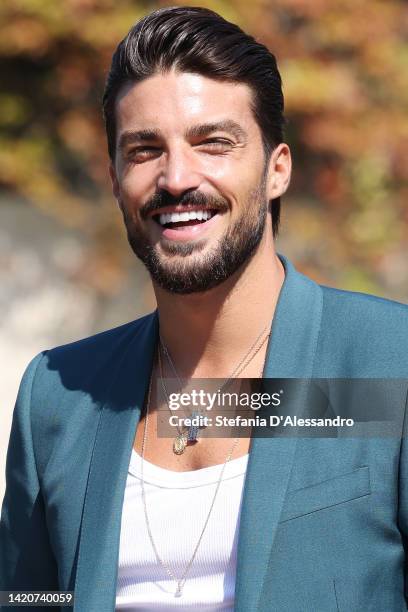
[193,110]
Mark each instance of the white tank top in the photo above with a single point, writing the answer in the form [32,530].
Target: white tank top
[177,506]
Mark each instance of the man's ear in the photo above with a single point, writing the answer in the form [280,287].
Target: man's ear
[279,171]
[115,184]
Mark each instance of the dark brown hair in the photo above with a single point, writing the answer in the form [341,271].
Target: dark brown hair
[194,39]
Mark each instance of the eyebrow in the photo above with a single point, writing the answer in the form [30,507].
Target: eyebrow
[228,125]
[131,136]
[196,131]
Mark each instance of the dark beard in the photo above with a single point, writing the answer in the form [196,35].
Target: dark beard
[234,249]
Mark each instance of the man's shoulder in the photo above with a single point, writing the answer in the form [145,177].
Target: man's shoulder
[93,357]
[353,306]
[366,334]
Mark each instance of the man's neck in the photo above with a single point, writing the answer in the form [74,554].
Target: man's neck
[208,333]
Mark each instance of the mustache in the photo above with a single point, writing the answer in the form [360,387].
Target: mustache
[196,198]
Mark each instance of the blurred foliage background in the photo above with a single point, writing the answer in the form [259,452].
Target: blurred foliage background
[344,66]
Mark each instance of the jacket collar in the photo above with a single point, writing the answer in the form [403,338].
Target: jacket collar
[290,353]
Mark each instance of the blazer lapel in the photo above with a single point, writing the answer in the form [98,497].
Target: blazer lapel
[97,563]
[290,354]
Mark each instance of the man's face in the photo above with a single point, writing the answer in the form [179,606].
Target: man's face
[190,177]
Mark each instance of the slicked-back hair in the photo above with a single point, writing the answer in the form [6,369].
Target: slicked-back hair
[198,40]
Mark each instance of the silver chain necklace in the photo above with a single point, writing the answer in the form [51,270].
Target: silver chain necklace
[242,364]
[180,581]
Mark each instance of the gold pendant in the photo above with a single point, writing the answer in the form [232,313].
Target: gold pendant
[179,444]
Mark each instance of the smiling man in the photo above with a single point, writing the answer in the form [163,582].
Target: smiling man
[97,502]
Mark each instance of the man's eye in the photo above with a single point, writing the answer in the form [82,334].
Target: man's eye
[216,143]
[142,153]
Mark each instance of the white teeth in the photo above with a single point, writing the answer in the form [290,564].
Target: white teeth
[200,215]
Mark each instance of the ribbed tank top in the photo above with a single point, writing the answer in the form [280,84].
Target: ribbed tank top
[177,505]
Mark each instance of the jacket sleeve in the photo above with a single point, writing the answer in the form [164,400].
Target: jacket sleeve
[26,559]
[403,496]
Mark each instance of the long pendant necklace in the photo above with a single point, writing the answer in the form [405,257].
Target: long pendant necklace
[180,581]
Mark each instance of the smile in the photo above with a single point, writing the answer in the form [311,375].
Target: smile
[186,225]
[184,218]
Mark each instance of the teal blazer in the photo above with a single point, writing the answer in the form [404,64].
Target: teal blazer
[324,521]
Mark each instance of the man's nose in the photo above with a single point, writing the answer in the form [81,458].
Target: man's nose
[179,173]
